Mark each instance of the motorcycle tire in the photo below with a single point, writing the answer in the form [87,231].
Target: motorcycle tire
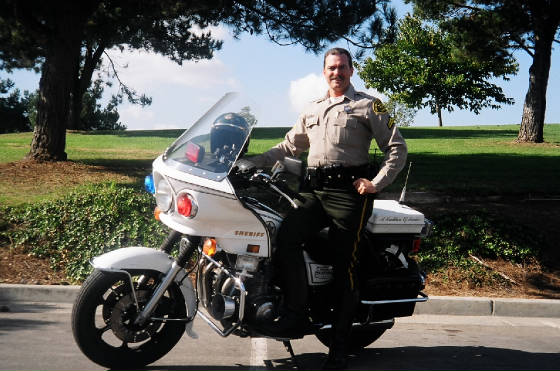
[103,320]
[358,339]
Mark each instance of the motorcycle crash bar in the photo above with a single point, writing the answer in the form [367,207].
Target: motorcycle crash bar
[423,297]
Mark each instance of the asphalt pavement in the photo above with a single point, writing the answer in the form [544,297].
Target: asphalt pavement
[437,305]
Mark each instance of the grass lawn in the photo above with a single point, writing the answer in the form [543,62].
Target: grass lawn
[458,160]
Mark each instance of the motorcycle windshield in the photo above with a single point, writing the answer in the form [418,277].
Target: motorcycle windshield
[210,147]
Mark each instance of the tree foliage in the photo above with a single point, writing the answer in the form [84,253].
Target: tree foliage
[401,114]
[65,40]
[423,68]
[13,108]
[493,30]
[95,117]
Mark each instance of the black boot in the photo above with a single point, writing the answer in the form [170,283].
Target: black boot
[337,358]
[293,321]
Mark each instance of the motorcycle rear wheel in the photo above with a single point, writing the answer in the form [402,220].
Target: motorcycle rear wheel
[103,320]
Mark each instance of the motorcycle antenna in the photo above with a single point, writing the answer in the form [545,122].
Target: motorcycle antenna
[403,192]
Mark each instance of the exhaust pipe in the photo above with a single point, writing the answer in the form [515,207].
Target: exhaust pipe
[222,307]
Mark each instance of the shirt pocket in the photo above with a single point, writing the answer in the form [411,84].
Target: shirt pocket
[343,128]
[311,121]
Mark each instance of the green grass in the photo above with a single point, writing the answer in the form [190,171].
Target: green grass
[96,147]
[454,160]
[483,159]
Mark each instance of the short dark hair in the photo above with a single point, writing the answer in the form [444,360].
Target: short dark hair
[338,51]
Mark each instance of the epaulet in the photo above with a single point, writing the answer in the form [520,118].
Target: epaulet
[317,100]
[361,94]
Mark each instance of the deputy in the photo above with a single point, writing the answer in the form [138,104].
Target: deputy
[337,130]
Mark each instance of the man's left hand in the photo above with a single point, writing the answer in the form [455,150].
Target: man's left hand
[364,186]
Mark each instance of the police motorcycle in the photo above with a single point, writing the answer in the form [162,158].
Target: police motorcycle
[216,262]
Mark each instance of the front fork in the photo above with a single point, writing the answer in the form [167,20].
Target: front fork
[187,247]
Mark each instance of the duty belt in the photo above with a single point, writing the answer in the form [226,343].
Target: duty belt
[335,176]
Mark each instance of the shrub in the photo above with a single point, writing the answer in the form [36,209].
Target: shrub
[85,223]
[456,236]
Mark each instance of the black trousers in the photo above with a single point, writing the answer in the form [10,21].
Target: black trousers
[346,212]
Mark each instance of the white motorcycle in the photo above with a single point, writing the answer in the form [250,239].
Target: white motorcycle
[138,301]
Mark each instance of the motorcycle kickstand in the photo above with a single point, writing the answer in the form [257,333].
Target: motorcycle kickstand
[290,350]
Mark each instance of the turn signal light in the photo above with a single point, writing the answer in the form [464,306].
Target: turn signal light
[157,211]
[209,247]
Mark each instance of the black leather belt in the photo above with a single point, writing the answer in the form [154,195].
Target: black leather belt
[335,176]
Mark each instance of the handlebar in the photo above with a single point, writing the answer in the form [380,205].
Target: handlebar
[278,187]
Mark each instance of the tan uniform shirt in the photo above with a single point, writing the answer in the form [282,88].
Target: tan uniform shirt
[339,131]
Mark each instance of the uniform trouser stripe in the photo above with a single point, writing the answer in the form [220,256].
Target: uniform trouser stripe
[353,259]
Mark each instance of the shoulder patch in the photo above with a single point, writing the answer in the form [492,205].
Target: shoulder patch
[378,107]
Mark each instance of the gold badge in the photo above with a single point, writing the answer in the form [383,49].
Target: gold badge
[379,107]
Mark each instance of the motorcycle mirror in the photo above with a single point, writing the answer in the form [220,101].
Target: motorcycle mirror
[293,165]
[289,165]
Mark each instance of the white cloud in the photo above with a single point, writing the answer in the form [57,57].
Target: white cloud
[148,71]
[306,89]
[136,117]
[375,93]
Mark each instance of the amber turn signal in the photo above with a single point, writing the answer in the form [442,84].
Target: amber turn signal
[157,211]
[209,247]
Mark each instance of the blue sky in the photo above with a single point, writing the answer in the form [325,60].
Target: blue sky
[281,79]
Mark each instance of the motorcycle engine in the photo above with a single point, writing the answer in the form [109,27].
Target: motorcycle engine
[221,297]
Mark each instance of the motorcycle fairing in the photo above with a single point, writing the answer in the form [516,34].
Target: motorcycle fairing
[220,214]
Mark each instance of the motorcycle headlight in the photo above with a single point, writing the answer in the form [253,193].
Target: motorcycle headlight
[164,195]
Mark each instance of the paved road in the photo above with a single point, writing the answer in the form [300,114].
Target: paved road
[38,337]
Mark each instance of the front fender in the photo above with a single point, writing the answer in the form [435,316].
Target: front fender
[145,258]
[137,257]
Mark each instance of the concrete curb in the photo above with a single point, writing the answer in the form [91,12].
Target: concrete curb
[481,306]
[442,305]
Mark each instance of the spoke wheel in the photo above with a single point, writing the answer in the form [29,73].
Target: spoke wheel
[104,313]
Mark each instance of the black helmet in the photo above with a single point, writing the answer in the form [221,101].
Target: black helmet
[228,133]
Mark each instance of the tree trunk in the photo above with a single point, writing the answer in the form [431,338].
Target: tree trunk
[440,121]
[532,122]
[61,60]
[49,136]
[81,83]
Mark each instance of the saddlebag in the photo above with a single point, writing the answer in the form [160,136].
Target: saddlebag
[388,274]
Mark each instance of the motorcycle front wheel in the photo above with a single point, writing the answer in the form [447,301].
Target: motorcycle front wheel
[103,319]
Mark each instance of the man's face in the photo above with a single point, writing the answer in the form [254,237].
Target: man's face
[337,72]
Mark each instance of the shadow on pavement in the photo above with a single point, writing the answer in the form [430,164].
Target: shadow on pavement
[407,358]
